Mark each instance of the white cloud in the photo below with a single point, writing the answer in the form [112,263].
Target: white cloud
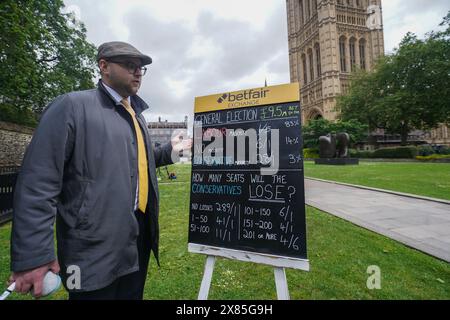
[201,47]
[75,10]
[417,16]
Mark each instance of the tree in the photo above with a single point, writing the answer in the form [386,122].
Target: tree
[406,90]
[43,53]
[321,127]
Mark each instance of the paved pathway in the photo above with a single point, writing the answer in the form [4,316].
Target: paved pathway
[421,224]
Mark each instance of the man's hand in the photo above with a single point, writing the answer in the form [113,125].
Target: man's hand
[33,278]
[180,142]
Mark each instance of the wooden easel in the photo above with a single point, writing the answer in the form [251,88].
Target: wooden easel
[279,272]
[279,264]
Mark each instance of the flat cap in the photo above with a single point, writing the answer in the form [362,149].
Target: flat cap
[121,49]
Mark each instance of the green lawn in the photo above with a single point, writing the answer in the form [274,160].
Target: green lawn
[339,253]
[425,179]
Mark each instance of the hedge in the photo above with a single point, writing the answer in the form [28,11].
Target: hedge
[419,153]
[387,153]
[428,150]
[396,153]
[310,153]
[433,157]
[360,154]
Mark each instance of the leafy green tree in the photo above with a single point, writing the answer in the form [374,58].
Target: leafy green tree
[43,53]
[313,130]
[321,127]
[407,90]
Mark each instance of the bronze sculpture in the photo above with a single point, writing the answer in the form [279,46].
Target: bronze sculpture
[334,149]
[334,145]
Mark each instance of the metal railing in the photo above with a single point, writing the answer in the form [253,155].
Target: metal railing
[8,177]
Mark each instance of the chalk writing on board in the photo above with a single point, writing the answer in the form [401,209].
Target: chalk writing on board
[247,189]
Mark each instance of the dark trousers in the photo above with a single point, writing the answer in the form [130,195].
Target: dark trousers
[130,286]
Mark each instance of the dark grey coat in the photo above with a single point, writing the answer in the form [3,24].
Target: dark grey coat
[81,167]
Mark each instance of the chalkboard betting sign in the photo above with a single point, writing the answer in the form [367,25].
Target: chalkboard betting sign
[247,186]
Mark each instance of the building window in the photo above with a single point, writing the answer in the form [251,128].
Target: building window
[342,52]
[311,64]
[302,16]
[319,61]
[352,54]
[305,75]
[308,9]
[362,53]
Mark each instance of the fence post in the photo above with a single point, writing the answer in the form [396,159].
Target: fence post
[8,177]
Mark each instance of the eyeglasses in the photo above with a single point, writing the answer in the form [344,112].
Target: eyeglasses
[130,66]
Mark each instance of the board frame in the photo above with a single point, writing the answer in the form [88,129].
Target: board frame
[284,93]
[247,256]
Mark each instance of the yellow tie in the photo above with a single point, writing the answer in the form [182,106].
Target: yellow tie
[142,159]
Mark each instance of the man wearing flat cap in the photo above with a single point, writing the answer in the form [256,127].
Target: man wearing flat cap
[91,165]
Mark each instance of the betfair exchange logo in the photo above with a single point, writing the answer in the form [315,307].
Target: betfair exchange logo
[244,98]
[223,97]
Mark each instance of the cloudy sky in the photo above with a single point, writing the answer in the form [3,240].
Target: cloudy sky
[202,47]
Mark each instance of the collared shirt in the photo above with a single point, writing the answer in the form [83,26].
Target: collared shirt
[118,98]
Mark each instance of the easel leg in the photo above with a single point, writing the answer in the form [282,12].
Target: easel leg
[207,275]
[281,284]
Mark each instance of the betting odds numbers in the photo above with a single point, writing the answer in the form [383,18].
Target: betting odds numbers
[233,203]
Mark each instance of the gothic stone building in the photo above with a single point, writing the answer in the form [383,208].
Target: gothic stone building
[161,131]
[328,39]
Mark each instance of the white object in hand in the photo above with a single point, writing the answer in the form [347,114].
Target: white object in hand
[50,284]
